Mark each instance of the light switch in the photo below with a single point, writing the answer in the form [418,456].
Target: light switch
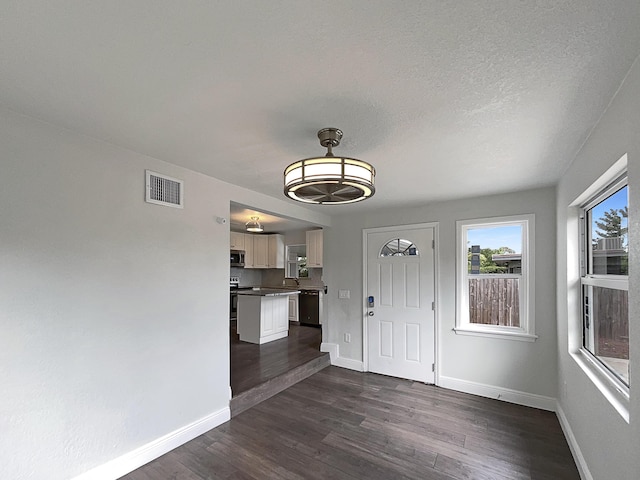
[344,293]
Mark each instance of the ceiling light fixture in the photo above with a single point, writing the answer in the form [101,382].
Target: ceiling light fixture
[254,225]
[329,180]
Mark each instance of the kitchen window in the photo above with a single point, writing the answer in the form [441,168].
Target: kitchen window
[495,277]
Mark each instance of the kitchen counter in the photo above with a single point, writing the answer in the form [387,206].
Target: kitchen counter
[268,292]
[263,314]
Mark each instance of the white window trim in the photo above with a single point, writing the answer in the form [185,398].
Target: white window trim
[526,332]
[616,392]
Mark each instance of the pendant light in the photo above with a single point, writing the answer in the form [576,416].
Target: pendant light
[329,180]
[254,225]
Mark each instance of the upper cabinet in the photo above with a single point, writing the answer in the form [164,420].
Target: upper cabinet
[314,248]
[276,251]
[265,251]
[260,251]
[248,250]
[237,241]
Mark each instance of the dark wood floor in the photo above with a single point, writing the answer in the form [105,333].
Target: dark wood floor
[253,364]
[344,424]
[260,371]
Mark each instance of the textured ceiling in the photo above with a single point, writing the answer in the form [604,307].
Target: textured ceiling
[445,99]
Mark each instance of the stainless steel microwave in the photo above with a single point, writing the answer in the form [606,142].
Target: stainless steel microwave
[237,258]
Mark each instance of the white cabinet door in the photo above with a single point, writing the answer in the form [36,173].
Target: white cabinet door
[248,251]
[264,251]
[293,308]
[276,251]
[281,318]
[314,248]
[260,251]
[237,241]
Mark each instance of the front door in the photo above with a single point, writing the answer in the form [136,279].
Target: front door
[400,321]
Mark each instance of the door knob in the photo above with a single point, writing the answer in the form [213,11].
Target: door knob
[371,314]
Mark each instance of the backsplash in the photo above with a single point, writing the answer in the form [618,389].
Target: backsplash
[274,277]
[249,277]
[253,277]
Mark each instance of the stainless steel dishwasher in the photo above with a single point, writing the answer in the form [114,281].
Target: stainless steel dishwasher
[310,307]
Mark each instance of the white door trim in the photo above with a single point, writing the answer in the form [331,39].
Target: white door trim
[436,267]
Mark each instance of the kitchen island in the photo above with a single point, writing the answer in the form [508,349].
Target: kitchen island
[263,314]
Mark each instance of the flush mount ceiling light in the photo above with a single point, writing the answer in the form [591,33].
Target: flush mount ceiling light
[254,225]
[329,180]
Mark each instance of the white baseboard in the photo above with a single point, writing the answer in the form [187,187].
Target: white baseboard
[499,393]
[331,348]
[337,360]
[581,463]
[349,363]
[128,462]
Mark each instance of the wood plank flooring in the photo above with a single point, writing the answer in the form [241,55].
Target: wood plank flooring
[344,424]
[252,365]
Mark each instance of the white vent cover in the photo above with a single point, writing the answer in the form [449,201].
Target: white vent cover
[163,190]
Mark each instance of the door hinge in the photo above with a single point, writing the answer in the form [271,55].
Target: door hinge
[433,367]
[433,305]
[433,244]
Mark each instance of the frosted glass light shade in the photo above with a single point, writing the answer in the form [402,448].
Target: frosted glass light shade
[329,180]
[254,225]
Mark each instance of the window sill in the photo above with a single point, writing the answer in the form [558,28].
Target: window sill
[519,336]
[613,389]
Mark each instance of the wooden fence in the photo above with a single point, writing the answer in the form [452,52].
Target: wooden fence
[611,322]
[494,301]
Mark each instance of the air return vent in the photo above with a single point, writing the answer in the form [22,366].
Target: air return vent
[163,190]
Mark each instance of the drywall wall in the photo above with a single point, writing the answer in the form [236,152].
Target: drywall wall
[114,312]
[606,445]
[505,364]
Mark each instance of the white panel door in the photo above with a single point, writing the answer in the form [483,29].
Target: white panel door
[401,323]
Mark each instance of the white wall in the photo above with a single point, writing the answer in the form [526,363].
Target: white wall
[113,312]
[470,360]
[607,445]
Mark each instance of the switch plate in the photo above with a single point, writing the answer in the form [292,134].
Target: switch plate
[344,293]
[347,338]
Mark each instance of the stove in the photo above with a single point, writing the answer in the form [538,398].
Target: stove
[233,297]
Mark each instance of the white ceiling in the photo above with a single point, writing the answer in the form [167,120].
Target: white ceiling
[241,214]
[445,99]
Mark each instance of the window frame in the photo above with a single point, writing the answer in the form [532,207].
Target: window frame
[526,331]
[614,391]
[589,279]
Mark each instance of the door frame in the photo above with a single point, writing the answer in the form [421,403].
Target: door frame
[436,281]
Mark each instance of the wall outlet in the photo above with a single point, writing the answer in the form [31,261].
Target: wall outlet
[344,293]
[347,338]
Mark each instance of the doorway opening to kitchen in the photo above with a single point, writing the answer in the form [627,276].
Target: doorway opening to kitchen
[275,305]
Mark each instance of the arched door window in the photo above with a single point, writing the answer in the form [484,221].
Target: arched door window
[399,247]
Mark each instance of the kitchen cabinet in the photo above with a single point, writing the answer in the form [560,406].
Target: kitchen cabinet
[314,248]
[293,308]
[268,251]
[237,241]
[248,251]
[260,251]
[264,251]
[276,251]
[263,317]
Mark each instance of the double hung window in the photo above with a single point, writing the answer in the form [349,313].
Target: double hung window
[495,277]
[605,281]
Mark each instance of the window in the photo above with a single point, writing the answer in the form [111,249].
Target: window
[604,279]
[297,261]
[495,277]
[398,247]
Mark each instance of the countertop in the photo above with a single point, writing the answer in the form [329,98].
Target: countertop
[268,292]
